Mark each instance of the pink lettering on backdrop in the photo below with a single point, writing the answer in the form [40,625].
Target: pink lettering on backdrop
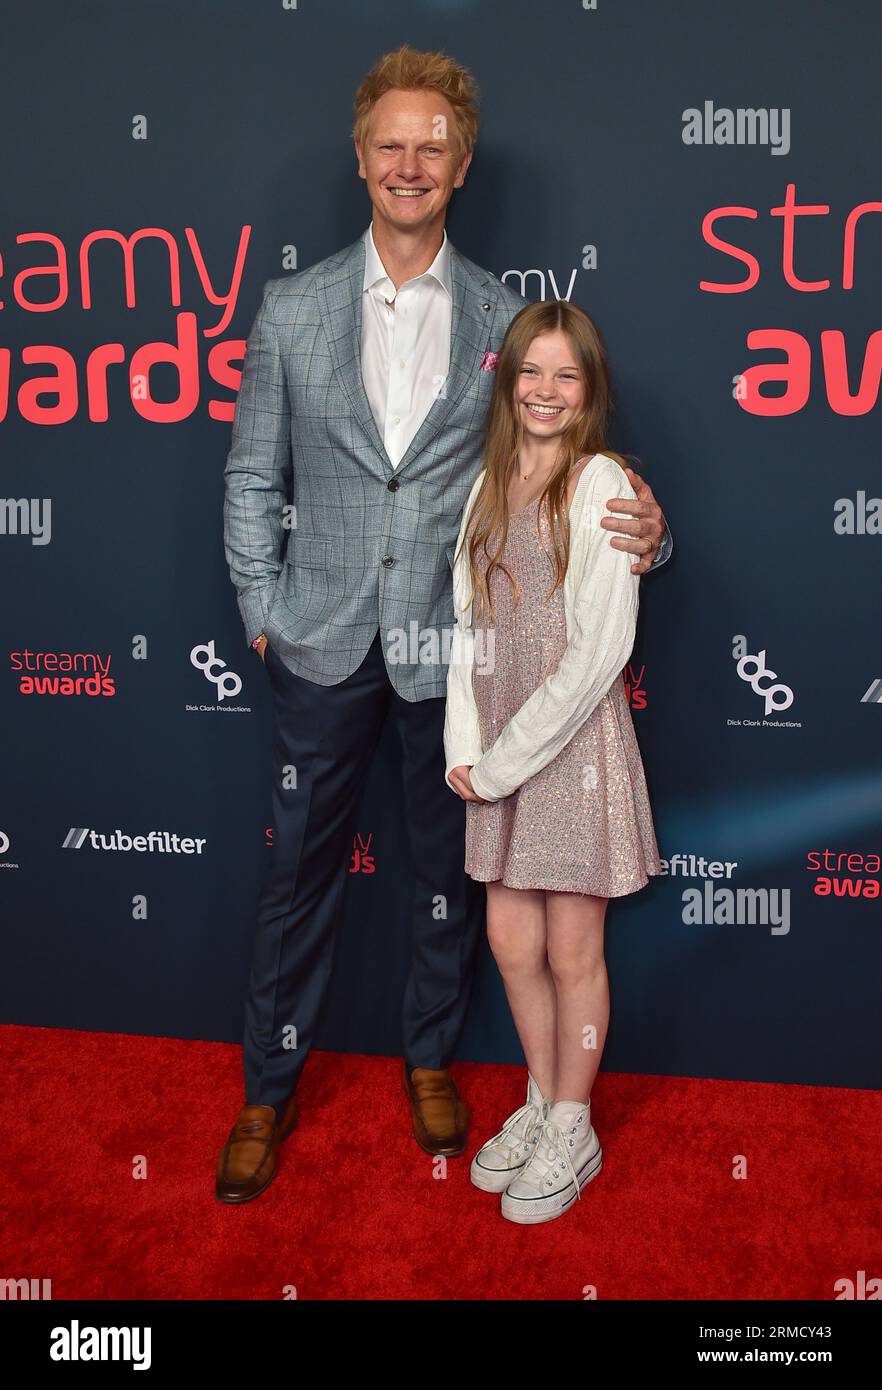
[57,395]
[837,368]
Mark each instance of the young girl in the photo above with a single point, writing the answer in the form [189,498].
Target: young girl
[539,738]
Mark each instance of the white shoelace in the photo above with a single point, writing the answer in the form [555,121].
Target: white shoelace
[530,1115]
[553,1141]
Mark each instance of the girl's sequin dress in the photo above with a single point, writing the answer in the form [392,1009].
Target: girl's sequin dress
[582,824]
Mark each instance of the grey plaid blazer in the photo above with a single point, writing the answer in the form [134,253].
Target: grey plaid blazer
[326,540]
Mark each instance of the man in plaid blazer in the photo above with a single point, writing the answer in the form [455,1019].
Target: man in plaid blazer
[358,433]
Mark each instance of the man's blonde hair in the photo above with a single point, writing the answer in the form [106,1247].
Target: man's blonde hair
[409,70]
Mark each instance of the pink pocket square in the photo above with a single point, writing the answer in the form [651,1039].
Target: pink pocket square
[489,360]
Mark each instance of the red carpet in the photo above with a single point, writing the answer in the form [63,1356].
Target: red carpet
[355,1213]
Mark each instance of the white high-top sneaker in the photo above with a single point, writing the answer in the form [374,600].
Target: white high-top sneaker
[505,1155]
[566,1157]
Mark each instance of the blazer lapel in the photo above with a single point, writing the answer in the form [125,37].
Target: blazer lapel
[469,340]
[340,301]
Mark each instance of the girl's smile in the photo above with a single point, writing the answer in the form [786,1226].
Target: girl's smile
[550,390]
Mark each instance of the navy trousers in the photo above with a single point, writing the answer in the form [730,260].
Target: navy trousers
[325,739]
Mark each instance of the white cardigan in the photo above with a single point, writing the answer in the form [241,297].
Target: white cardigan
[600,603]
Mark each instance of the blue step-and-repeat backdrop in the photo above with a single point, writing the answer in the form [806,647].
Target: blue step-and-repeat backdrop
[706,180]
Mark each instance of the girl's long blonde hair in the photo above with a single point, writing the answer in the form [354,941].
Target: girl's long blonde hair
[505,432]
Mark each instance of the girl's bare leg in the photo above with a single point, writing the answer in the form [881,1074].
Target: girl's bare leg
[517,935]
[574,935]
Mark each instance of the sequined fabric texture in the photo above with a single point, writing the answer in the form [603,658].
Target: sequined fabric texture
[583,824]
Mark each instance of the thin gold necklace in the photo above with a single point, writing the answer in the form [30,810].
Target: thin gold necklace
[525,476]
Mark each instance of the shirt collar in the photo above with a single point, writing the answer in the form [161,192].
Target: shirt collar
[375,271]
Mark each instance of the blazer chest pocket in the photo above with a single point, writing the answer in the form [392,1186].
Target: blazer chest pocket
[312,552]
[485,383]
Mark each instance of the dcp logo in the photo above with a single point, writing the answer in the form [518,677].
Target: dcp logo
[204,659]
[753,669]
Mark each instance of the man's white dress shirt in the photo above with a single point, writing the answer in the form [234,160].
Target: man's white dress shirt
[405,344]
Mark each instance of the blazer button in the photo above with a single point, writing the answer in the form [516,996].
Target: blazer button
[394,484]
[388,560]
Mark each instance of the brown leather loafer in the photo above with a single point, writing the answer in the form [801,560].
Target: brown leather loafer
[440,1116]
[247,1162]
